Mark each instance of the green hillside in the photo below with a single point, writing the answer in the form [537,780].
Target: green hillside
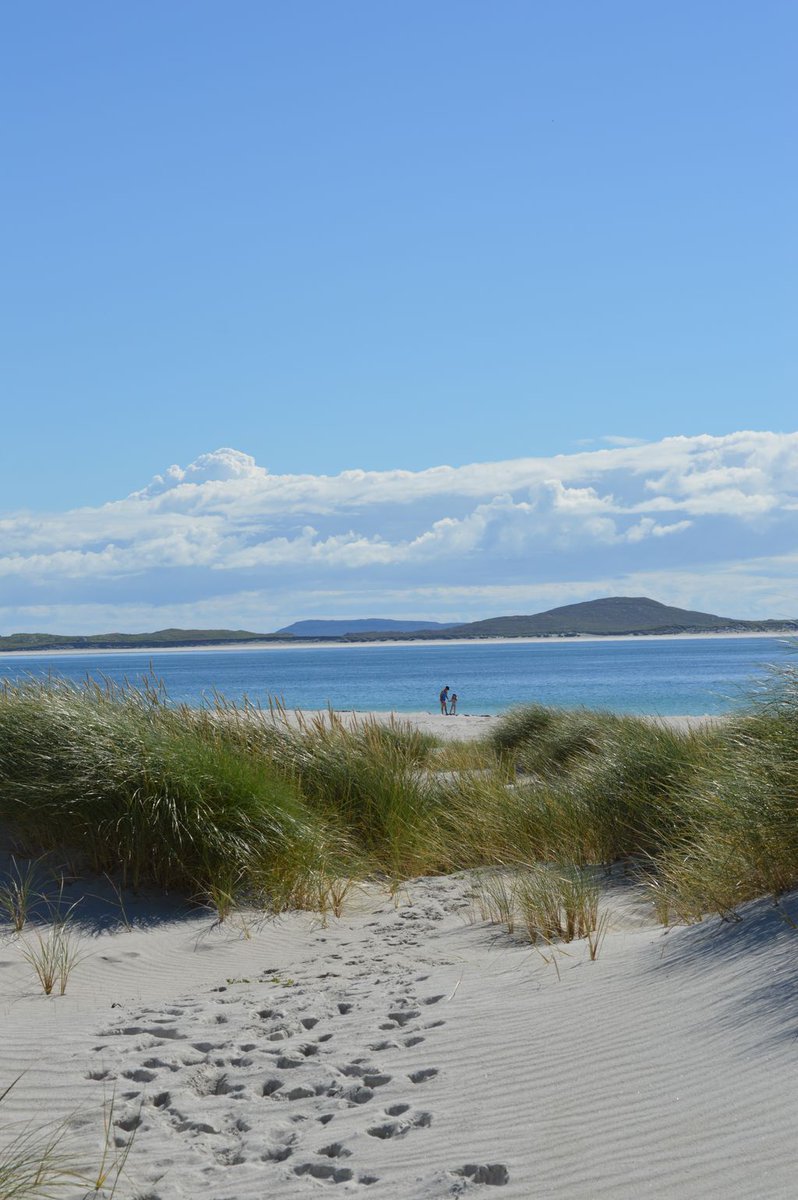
[610,615]
[162,638]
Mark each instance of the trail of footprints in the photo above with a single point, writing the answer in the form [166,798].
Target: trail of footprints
[283,1085]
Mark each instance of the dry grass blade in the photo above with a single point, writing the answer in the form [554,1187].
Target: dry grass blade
[54,954]
[35,1165]
[19,891]
[105,1180]
[595,937]
[557,903]
[495,899]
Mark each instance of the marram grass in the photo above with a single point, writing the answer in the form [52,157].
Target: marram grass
[232,804]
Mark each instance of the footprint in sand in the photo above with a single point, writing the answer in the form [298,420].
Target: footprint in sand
[335,1150]
[158,1064]
[325,1171]
[284,1063]
[394,1129]
[376,1080]
[400,1017]
[423,1075]
[279,1154]
[490,1173]
[139,1076]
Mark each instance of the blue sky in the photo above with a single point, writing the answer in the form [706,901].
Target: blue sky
[358,236]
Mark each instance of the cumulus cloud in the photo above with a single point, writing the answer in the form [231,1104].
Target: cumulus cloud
[221,466]
[224,526]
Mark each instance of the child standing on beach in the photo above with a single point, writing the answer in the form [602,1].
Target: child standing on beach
[453,705]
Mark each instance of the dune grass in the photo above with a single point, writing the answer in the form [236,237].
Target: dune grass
[548,903]
[34,1162]
[42,1162]
[740,836]
[233,805]
[160,795]
[19,892]
[53,955]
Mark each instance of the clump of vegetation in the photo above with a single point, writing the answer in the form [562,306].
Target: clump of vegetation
[19,892]
[549,903]
[520,726]
[40,1162]
[234,805]
[54,954]
[739,839]
[162,795]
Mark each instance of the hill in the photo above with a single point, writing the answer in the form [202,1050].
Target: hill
[317,629]
[161,638]
[610,615]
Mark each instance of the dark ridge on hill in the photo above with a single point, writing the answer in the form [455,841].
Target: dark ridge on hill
[161,638]
[610,615]
[339,628]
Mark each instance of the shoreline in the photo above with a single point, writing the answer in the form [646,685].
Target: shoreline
[230,648]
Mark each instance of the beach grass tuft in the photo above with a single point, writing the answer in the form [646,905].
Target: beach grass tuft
[19,891]
[234,805]
[35,1163]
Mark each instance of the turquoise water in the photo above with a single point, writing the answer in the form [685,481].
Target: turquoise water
[679,676]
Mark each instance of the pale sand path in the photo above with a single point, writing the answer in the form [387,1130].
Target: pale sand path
[469,727]
[392,1049]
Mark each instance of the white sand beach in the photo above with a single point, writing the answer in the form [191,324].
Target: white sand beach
[411,1049]
[469,727]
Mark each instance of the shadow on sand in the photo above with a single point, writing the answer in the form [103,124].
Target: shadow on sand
[93,904]
[754,962]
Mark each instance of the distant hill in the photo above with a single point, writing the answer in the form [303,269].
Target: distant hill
[162,638]
[365,625]
[611,615]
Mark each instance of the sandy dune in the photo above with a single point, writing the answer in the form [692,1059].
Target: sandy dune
[406,1050]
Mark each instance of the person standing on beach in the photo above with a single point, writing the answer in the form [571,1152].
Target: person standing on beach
[444,696]
[453,705]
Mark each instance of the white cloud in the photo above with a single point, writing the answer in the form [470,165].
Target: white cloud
[223,526]
[219,466]
[615,440]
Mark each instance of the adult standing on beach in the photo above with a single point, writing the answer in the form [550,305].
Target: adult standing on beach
[444,696]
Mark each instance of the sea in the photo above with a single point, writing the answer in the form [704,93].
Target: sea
[668,676]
